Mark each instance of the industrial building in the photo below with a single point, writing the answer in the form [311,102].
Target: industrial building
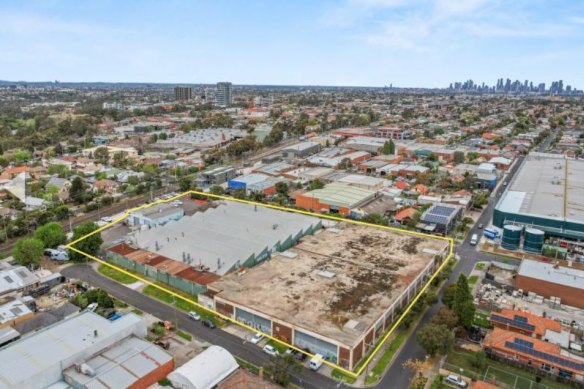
[546,195]
[227,236]
[301,150]
[156,215]
[551,280]
[15,311]
[85,351]
[443,217]
[216,176]
[335,198]
[202,139]
[357,180]
[206,370]
[17,279]
[255,183]
[175,273]
[336,292]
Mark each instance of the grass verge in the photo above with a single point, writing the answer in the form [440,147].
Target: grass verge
[115,275]
[178,303]
[472,280]
[379,368]
[185,335]
[339,375]
[247,365]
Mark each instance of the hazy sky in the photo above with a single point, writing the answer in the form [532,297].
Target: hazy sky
[346,42]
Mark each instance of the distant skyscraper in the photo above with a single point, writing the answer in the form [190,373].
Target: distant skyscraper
[183,93]
[223,96]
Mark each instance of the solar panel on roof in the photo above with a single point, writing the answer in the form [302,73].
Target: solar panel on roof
[521,318]
[549,357]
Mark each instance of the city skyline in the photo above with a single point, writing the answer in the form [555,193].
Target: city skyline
[351,43]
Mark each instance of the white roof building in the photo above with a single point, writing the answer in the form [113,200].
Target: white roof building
[204,371]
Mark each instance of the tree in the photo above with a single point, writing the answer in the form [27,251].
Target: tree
[101,155]
[280,368]
[51,234]
[89,244]
[184,184]
[282,188]
[217,190]
[77,190]
[448,295]
[28,251]
[316,184]
[417,367]
[458,157]
[479,360]
[463,304]
[388,148]
[447,317]
[435,339]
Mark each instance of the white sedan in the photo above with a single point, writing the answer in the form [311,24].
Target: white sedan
[257,338]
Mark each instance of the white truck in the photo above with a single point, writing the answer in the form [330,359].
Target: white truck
[316,362]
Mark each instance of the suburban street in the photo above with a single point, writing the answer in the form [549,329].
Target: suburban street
[305,378]
[396,377]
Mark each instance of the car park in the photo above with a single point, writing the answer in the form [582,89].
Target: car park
[208,323]
[256,338]
[270,350]
[194,315]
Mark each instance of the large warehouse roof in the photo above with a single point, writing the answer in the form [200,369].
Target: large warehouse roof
[229,233]
[40,357]
[548,186]
[545,271]
[336,283]
[205,370]
[120,366]
[341,195]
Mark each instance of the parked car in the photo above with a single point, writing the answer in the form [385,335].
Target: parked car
[455,380]
[480,226]
[164,345]
[208,323]
[58,255]
[257,338]
[92,307]
[270,350]
[194,315]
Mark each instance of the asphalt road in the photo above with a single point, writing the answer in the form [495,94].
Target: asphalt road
[305,378]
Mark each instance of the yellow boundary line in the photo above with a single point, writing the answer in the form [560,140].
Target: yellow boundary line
[286,209]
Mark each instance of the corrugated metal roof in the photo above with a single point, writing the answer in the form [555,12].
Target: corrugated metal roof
[341,195]
[40,357]
[573,278]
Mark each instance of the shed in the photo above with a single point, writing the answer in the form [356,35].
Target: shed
[204,371]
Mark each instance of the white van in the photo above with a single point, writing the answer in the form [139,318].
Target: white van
[474,239]
[58,255]
[316,362]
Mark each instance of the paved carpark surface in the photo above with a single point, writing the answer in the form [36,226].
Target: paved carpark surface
[237,346]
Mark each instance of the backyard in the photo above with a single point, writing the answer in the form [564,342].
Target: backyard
[506,376]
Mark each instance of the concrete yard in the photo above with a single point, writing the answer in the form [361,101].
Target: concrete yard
[337,282]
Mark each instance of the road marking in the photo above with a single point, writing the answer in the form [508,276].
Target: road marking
[285,209]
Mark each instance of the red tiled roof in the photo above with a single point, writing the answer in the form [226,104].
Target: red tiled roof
[541,324]
[405,214]
[401,185]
